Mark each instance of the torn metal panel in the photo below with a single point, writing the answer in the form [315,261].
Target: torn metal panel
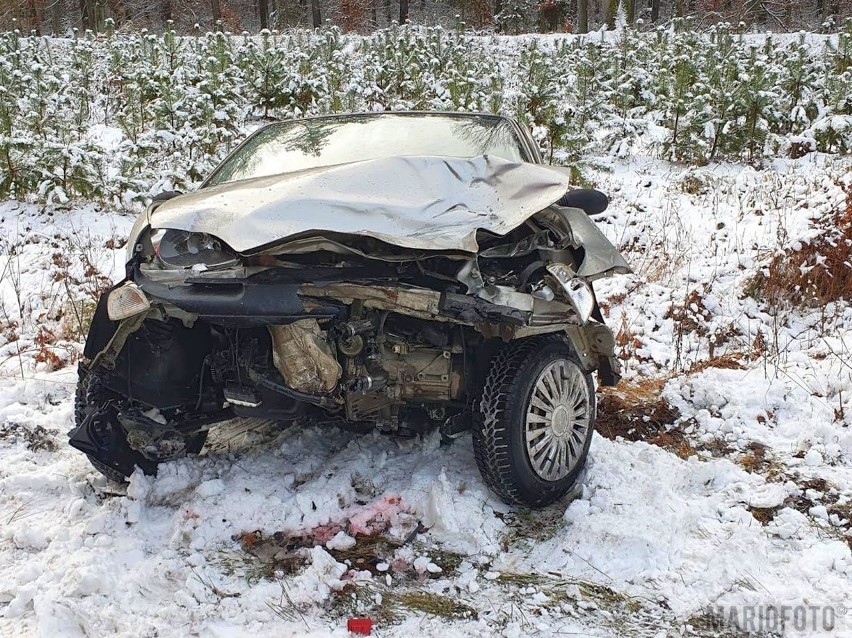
[505,296]
[381,252]
[601,257]
[428,203]
[109,354]
[473,311]
[594,344]
[420,303]
[527,245]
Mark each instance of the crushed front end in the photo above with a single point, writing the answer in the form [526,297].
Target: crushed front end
[328,327]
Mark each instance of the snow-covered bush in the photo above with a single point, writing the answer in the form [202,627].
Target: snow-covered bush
[117,117]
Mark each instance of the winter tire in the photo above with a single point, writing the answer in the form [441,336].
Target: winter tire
[535,421]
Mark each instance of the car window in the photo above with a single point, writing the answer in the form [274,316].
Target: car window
[303,144]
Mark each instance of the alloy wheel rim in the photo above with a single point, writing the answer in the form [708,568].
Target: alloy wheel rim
[558,420]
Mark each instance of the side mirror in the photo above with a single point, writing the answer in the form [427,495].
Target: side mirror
[165,196]
[587,199]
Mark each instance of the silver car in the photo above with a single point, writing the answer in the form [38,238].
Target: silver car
[397,271]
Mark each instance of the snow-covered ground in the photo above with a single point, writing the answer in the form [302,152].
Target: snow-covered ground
[733,489]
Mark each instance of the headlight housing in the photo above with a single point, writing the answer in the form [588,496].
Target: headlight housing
[126,301]
[182,249]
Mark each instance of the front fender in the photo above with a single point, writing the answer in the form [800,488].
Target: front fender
[601,257]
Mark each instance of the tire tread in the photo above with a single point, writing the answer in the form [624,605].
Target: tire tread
[491,432]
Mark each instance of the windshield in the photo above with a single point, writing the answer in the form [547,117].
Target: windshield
[294,146]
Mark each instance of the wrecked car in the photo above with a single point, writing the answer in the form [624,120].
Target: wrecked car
[396,271]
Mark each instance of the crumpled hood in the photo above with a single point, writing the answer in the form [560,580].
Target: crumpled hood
[428,203]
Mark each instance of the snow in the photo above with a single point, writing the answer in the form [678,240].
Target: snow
[80,556]
[755,513]
[341,540]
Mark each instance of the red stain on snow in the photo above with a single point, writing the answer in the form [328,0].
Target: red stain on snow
[370,520]
[376,517]
[324,533]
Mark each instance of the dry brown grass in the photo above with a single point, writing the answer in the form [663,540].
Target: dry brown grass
[435,605]
[813,492]
[817,274]
[764,515]
[730,361]
[36,438]
[627,341]
[283,552]
[756,460]
[636,411]
[634,404]
[691,315]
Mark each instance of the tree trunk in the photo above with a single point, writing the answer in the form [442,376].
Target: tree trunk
[835,8]
[263,13]
[630,10]
[34,17]
[498,9]
[316,14]
[56,17]
[655,11]
[388,16]
[611,12]
[217,12]
[755,11]
[582,16]
[403,11]
[85,15]
[99,14]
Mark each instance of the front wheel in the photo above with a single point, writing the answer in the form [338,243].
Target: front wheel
[535,421]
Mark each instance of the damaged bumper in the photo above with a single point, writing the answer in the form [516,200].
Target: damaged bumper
[244,302]
[235,302]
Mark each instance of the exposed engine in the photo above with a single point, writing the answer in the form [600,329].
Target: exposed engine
[363,369]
